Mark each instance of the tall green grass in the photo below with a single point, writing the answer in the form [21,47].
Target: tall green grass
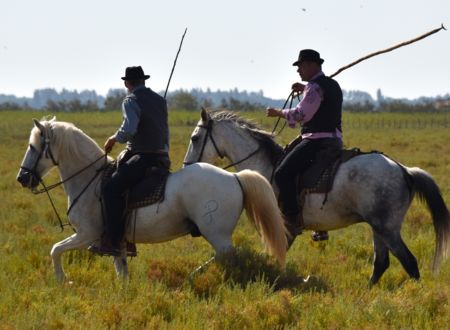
[246,291]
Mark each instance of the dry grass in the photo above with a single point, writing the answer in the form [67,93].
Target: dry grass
[243,291]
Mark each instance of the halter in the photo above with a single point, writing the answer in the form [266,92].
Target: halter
[209,128]
[47,152]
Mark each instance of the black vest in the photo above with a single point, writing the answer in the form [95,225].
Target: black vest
[153,130]
[329,115]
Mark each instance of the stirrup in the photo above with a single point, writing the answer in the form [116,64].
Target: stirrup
[318,236]
[103,250]
[131,249]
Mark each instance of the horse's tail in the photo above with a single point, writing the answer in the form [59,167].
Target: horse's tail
[261,206]
[427,189]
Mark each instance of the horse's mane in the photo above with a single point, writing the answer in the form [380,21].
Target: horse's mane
[265,139]
[69,139]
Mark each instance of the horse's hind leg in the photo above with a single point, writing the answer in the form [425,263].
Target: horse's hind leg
[381,258]
[399,249]
[224,249]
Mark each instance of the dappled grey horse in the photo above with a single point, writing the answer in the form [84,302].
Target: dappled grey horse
[200,196]
[369,188]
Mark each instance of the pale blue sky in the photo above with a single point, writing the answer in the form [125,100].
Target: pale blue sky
[235,43]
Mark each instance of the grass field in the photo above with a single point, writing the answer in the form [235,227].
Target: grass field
[252,295]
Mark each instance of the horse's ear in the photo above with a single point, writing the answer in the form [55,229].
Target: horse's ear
[205,115]
[38,124]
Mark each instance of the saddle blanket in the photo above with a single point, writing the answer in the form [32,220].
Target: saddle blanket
[319,177]
[149,191]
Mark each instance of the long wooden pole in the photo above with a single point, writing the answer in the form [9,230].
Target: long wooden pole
[388,49]
[291,95]
[174,63]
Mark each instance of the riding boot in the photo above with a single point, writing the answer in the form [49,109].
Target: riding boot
[131,249]
[294,225]
[105,247]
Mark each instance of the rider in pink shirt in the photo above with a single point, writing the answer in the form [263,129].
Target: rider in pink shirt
[319,113]
[307,108]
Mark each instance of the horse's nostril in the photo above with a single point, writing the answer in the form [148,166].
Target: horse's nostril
[24,179]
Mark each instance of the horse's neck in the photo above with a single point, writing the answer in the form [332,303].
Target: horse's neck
[240,145]
[68,169]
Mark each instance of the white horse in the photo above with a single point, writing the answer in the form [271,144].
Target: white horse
[200,195]
[369,188]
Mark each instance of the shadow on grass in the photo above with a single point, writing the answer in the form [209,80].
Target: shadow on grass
[241,268]
[247,266]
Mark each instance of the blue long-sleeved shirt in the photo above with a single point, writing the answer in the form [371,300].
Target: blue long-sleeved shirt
[131,113]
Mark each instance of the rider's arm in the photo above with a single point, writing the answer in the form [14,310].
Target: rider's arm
[131,113]
[307,108]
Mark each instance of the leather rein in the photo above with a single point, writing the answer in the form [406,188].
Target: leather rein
[209,127]
[47,153]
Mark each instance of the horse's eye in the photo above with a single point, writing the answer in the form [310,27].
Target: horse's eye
[194,138]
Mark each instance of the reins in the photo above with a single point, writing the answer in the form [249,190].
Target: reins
[291,98]
[243,159]
[46,189]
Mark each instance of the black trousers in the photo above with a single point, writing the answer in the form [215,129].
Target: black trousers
[132,168]
[295,163]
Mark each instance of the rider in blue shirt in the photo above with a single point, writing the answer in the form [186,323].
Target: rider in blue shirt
[145,131]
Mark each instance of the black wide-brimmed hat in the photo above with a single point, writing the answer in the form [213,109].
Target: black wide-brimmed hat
[135,73]
[308,55]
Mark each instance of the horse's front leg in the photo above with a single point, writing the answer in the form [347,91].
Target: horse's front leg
[76,241]
[121,265]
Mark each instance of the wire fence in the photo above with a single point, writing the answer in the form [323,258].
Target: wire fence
[404,123]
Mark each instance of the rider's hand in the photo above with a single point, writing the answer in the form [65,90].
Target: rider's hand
[272,112]
[109,144]
[298,87]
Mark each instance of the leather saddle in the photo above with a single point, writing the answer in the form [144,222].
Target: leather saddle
[319,177]
[147,192]
[150,190]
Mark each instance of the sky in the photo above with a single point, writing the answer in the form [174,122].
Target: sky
[249,45]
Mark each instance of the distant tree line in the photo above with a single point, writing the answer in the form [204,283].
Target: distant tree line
[194,99]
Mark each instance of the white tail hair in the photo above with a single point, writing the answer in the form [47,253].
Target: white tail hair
[261,206]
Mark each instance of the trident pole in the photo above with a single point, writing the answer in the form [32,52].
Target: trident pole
[175,63]
[423,36]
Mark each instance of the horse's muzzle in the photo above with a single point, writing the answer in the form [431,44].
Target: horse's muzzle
[27,179]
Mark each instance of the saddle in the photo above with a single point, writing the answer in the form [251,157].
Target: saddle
[150,190]
[147,192]
[319,177]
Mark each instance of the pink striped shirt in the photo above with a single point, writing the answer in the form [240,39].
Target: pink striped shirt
[307,108]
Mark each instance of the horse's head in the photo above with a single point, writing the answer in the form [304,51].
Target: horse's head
[204,144]
[39,157]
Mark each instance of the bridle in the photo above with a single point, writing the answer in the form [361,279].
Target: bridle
[47,153]
[209,127]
